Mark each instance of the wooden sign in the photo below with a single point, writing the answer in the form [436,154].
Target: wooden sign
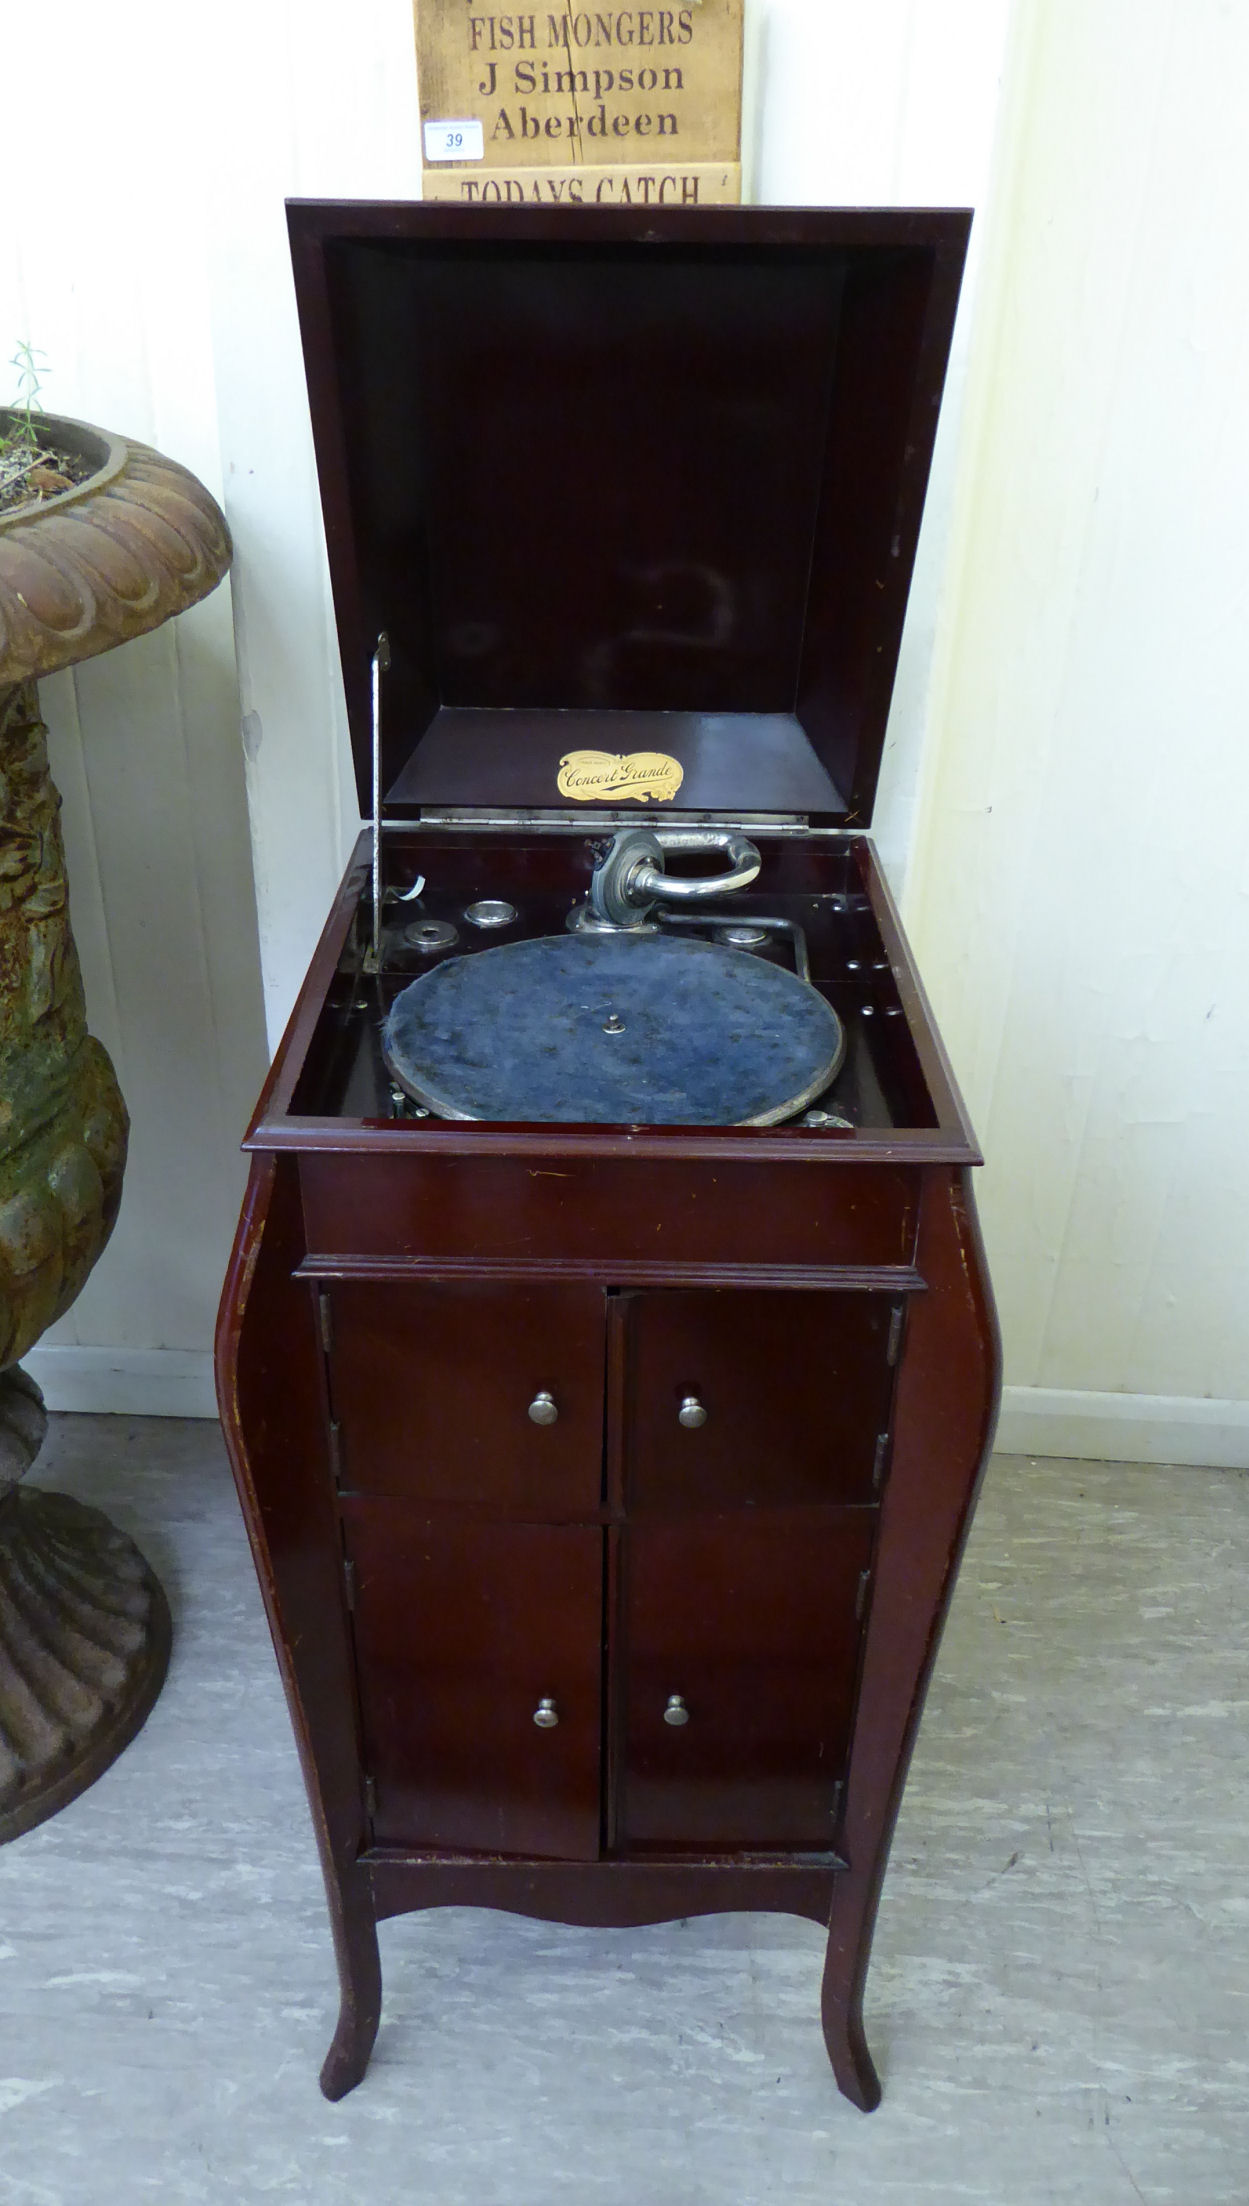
[614,105]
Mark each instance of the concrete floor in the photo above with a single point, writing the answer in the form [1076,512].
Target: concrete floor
[1060,1989]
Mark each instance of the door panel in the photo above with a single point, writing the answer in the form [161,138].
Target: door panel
[432,1387]
[462,1631]
[752,1622]
[795,1388]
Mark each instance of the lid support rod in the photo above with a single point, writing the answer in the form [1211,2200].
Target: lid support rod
[381,664]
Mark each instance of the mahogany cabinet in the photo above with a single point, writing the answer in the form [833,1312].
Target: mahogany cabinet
[546,1666]
[732,1622]
[607,1481]
[458,1628]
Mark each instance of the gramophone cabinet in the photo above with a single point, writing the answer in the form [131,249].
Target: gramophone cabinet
[607,1444]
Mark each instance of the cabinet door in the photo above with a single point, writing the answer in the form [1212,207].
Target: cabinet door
[470,1395]
[785,1396]
[748,1629]
[464,1633]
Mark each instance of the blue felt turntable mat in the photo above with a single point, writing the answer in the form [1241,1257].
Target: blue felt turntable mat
[613,1029]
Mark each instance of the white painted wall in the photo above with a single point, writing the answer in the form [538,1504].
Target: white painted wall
[1080,898]
[144,249]
[104,180]
[1074,872]
[889,104]
[1078,890]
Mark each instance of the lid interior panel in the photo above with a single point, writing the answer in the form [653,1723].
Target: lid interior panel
[577,470]
[730,762]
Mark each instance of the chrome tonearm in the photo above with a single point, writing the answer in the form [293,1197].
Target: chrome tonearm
[632,878]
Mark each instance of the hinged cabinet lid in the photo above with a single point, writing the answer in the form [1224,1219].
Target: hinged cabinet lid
[634,493]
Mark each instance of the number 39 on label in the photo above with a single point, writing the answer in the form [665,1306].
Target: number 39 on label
[455,141]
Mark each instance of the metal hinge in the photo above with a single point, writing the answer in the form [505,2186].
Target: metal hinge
[326,1320]
[601,820]
[878,1460]
[370,1797]
[349,1581]
[860,1599]
[895,1333]
[838,1796]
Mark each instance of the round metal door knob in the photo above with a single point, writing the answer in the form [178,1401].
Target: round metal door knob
[691,1413]
[546,1715]
[676,1711]
[542,1409]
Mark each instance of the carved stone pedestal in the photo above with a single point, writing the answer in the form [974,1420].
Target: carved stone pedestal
[84,1631]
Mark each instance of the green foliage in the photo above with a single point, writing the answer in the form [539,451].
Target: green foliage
[20,435]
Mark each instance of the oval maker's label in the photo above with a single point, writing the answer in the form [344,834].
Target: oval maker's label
[638,777]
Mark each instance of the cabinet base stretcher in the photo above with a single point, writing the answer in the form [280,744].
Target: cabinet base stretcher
[272,1385]
[591,1895]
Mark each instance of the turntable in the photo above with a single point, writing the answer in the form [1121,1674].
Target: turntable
[610,1024]
[607,1360]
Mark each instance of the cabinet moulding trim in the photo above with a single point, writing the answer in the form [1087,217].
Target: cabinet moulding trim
[1184,1429]
[640,1866]
[903,1148]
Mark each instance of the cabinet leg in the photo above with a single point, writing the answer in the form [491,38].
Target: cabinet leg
[943,1425]
[360,1987]
[269,1380]
[841,2012]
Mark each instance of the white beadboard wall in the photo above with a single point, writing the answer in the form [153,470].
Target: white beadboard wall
[144,250]
[107,174]
[1080,895]
[1065,781]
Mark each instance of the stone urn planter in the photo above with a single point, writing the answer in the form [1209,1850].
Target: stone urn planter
[84,1626]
